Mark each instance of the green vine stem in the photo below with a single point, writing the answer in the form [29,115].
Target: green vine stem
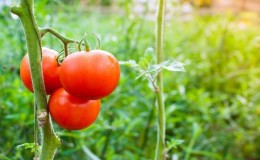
[62,38]
[36,153]
[84,41]
[160,146]
[66,52]
[49,141]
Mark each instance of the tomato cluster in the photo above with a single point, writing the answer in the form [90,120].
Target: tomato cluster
[76,85]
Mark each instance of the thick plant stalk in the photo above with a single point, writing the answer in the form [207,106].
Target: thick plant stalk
[49,141]
[160,146]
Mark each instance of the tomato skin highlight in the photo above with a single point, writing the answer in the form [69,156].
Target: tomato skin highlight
[50,69]
[93,75]
[72,113]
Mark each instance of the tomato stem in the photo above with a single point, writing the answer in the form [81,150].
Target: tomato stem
[160,153]
[64,39]
[36,154]
[66,53]
[86,43]
[49,141]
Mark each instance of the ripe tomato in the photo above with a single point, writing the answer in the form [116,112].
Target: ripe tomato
[50,68]
[91,75]
[72,113]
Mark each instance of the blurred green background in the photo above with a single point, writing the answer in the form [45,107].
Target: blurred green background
[214,106]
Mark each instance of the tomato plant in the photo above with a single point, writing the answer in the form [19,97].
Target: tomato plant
[93,75]
[72,113]
[50,68]
[87,76]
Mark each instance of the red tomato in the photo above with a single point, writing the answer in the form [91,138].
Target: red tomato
[72,113]
[50,69]
[91,75]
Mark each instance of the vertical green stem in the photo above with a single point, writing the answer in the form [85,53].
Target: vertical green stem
[33,39]
[36,154]
[160,147]
[66,53]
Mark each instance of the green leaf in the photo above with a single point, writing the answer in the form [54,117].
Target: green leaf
[149,71]
[30,146]
[130,63]
[173,143]
[173,65]
[148,58]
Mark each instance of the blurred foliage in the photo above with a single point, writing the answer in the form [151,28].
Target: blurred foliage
[213,108]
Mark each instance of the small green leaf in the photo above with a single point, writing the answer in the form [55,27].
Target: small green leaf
[132,64]
[173,143]
[30,146]
[154,68]
[148,58]
[173,65]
